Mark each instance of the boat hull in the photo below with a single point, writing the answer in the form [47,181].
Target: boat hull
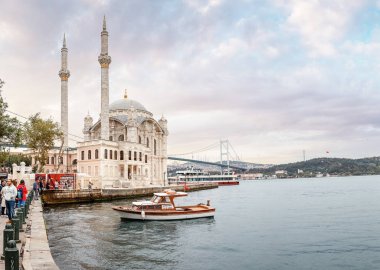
[228,183]
[163,215]
[220,183]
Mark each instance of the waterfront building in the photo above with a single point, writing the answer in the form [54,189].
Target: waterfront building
[126,147]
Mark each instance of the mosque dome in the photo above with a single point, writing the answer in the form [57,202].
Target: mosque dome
[126,104]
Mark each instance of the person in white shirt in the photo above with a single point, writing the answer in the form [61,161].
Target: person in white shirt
[10,193]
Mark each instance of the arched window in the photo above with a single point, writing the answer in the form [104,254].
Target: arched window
[130,155]
[47,161]
[105,154]
[110,154]
[111,139]
[135,156]
[52,160]
[121,138]
[115,154]
[96,153]
[155,147]
[89,154]
[82,155]
[147,142]
[140,139]
[146,158]
[121,155]
[140,156]
[60,160]
[75,161]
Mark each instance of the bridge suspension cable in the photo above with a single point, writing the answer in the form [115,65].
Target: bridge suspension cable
[209,147]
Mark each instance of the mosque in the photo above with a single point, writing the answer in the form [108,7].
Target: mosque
[126,147]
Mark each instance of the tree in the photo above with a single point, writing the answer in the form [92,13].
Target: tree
[39,135]
[10,127]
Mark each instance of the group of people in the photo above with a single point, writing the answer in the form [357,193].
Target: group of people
[12,196]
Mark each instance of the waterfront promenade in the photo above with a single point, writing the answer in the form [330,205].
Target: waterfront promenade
[34,247]
[36,250]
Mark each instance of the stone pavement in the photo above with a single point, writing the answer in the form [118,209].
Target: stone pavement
[37,251]
[3,220]
[34,246]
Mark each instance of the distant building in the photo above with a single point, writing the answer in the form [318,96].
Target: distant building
[281,174]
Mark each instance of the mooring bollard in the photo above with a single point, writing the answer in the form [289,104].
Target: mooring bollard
[19,215]
[23,210]
[16,227]
[12,256]
[26,208]
[8,234]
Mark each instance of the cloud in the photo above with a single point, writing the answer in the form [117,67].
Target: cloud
[321,23]
[274,78]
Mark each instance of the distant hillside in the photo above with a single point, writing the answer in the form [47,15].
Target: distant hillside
[332,166]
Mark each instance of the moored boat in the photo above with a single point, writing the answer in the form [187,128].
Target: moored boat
[196,175]
[162,207]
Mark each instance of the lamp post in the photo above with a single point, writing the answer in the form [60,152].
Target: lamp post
[67,160]
[9,160]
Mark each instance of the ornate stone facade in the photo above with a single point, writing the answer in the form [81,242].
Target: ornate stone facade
[126,147]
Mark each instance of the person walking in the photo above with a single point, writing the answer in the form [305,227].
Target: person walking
[36,187]
[10,193]
[21,193]
[2,198]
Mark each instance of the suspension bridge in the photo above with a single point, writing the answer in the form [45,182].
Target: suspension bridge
[224,149]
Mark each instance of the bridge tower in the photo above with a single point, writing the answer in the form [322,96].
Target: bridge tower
[224,155]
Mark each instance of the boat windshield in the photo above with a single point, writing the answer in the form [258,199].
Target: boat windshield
[158,199]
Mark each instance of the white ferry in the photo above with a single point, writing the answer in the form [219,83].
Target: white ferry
[196,175]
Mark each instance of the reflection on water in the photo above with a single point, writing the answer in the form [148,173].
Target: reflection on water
[91,236]
[278,224]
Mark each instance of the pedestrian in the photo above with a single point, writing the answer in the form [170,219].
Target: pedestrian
[21,193]
[48,184]
[56,184]
[14,182]
[10,193]
[41,186]
[35,189]
[2,198]
[90,185]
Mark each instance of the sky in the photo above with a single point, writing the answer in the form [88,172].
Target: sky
[273,77]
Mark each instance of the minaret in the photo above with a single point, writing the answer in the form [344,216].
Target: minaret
[104,60]
[64,74]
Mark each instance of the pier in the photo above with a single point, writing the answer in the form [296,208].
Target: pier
[54,197]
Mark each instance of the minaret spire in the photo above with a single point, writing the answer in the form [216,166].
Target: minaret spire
[104,23]
[64,74]
[64,41]
[104,61]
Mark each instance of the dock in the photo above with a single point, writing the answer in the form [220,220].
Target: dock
[54,197]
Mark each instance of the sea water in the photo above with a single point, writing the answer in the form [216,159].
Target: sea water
[316,223]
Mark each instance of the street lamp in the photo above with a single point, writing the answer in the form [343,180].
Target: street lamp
[67,160]
[9,160]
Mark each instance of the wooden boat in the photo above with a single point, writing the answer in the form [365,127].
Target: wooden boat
[162,207]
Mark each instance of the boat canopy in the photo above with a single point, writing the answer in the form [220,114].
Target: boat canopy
[170,194]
